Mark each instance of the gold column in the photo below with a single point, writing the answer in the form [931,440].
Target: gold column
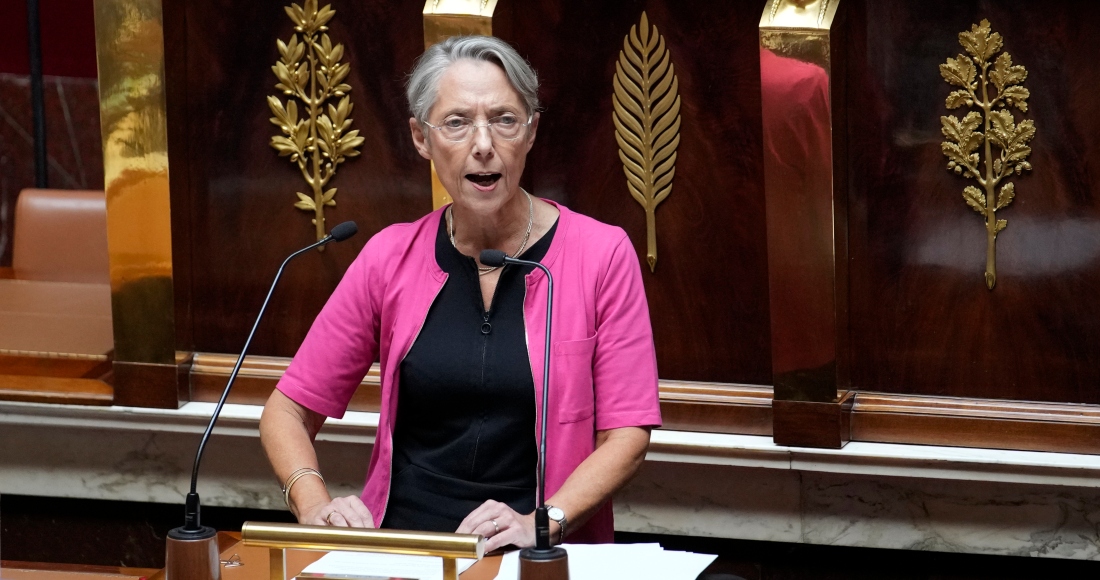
[130,51]
[805,190]
[444,18]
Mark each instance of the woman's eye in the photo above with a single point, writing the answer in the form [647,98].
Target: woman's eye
[506,120]
[456,123]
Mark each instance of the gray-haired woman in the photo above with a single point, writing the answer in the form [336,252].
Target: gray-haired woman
[453,337]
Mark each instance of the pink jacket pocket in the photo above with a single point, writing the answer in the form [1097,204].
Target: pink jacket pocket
[572,379]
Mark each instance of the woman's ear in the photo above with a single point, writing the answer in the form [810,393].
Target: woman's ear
[532,129]
[420,138]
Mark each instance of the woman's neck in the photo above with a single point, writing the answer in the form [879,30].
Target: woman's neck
[502,230]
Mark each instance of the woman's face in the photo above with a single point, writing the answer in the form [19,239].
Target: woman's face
[481,173]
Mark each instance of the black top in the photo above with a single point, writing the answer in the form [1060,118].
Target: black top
[465,429]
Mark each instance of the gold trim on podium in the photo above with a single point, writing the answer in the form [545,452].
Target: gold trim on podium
[445,18]
[280,537]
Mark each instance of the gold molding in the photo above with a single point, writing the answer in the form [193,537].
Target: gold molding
[789,14]
[647,122]
[972,73]
[133,120]
[446,18]
[318,143]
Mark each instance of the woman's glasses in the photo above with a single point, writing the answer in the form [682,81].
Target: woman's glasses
[459,129]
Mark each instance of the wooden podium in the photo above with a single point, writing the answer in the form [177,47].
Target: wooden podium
[253,566]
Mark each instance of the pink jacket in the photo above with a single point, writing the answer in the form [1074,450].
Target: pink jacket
[604,369]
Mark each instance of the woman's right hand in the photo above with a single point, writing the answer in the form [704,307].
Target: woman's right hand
[345,512]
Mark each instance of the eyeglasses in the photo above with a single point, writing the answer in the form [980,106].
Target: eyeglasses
[459,129]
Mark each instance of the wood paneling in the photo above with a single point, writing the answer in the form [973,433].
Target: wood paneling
[240,194]
[1062,427]
[151,385]
[923,321]
[66,391]
[709,297]
[258,377]
[718,408]
[813,424]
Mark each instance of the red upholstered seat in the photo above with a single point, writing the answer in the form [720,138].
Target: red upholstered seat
[61,236]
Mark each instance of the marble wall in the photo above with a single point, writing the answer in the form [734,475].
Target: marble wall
[735,487]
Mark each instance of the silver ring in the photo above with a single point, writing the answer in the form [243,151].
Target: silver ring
[496,528]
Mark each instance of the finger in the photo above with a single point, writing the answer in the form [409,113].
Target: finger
[337,519]
[511,536]
[482,513]
[487,529]
[363,513]
[346,507]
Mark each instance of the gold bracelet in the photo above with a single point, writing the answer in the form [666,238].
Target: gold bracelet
[294,477]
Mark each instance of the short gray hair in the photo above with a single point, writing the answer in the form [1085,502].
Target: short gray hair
[423,86]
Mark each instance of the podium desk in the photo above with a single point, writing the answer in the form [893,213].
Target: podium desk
[10,570]
[254,566]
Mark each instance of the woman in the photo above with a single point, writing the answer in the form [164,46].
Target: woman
[458,342]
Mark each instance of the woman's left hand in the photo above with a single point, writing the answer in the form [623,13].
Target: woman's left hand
[501,525]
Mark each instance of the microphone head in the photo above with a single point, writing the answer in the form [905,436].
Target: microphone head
[493,258]
[343,231]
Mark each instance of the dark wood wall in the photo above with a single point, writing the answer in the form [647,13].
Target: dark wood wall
[709,294]
[234,199]
[922,320]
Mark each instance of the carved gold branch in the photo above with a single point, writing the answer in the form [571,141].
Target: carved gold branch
[309,70]
[970,152]
[647,122]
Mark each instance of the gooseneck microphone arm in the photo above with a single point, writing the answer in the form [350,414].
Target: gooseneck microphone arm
[542,520]
[192,523]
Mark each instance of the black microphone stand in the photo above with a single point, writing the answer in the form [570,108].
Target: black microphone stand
[192,549]
[542,562]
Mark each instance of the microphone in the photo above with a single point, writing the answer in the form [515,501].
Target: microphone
[542,561]
[192,549]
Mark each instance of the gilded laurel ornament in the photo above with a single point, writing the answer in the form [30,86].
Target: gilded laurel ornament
[991,87]
[647,122]
[310,72]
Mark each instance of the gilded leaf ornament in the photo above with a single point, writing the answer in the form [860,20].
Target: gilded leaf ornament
[647,122]
[310,72]
[989,156]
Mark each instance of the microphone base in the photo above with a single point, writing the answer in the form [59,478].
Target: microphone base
[551,564]
[192,555]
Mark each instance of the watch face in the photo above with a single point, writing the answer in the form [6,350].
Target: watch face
[555,514]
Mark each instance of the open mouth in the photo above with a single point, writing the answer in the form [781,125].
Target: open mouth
[483,179]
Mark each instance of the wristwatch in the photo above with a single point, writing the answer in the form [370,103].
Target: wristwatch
[557,515]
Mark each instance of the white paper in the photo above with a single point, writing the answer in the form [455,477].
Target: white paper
[383,565]
[635,561]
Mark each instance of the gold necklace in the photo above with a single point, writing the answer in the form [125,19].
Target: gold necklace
[483,270]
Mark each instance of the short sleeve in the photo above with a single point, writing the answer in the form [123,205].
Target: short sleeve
[341,345]
[625,362]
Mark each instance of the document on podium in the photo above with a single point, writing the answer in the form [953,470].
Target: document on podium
[634,561]
[371,566]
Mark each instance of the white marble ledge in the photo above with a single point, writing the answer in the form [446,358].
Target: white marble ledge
[235,420]
[857,458]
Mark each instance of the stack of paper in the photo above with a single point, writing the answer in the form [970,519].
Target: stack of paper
[382,566]
[634,561]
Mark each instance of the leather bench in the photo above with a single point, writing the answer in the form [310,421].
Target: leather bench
[59,300]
